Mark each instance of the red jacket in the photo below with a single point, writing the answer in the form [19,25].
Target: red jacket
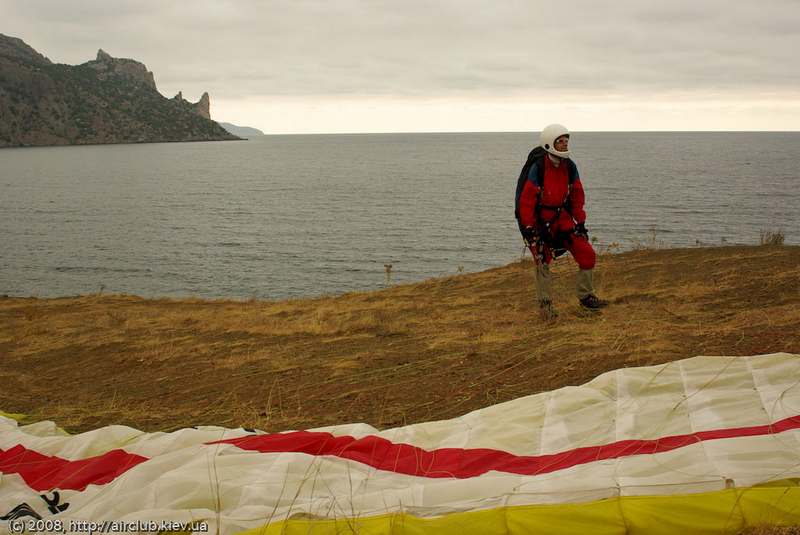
[556,182]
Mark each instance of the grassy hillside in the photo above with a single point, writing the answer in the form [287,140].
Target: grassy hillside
[410,353]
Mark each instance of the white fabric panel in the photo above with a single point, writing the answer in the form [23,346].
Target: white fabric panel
[185,479]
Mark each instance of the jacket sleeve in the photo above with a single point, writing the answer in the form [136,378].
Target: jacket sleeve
[577,198]
[527,199]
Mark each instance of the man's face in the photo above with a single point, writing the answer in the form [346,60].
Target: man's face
[561,144]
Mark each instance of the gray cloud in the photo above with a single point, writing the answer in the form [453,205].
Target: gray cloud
[419,48]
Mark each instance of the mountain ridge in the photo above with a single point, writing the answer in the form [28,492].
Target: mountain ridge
[105,100]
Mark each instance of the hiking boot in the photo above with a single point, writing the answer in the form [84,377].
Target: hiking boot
[547,312]
[592,302]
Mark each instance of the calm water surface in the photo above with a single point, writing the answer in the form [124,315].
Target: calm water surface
[291,216]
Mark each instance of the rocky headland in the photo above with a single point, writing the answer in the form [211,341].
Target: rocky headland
[106,100]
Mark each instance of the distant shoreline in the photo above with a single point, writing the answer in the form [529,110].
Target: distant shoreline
[563,263]
[118,143]
[318,134]
[532,132]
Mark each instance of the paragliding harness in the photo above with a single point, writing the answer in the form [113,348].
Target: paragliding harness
[541,236]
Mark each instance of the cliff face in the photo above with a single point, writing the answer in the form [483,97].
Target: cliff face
[107,100]
[202,107]
[106,67]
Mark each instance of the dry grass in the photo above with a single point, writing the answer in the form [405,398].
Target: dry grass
[410,353]
[772,530]
[769,237]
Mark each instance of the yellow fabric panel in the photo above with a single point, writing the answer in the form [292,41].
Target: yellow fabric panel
[13,415]
[779,507]
[598,518]
[722,512]
[710,513]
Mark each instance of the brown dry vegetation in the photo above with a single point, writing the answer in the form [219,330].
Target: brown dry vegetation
[771,530]
[410,353]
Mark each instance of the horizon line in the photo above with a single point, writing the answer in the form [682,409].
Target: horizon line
[524,132]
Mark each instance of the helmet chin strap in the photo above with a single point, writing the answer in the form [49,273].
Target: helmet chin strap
[555,159]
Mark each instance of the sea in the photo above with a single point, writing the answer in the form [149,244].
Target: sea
[291,216]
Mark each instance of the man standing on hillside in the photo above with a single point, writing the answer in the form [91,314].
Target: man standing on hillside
[550,214]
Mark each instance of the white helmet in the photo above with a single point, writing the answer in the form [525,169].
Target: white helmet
[549,136]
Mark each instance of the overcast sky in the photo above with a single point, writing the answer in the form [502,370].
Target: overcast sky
[300,66]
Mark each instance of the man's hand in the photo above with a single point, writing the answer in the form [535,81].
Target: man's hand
[580,230]
[530,233]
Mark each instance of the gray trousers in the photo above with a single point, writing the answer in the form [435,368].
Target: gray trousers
[544,283]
